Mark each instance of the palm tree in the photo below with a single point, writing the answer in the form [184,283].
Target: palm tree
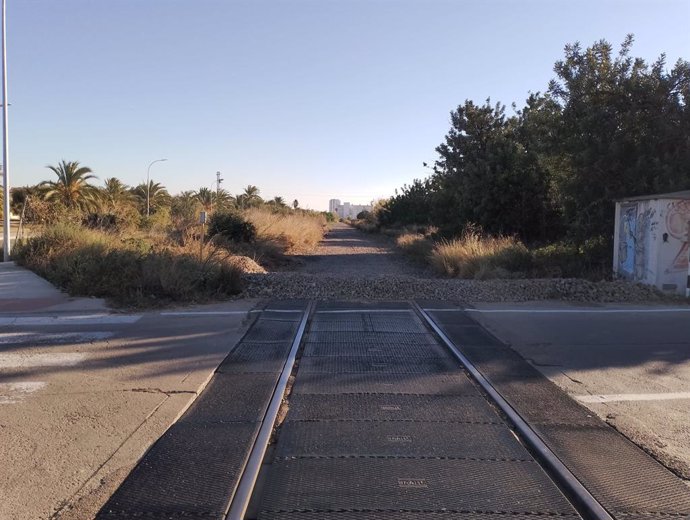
[184,212]
[72,187]
[279,202]
[116,193]
[224,200]
[158,196]
[250,197]
[207,198]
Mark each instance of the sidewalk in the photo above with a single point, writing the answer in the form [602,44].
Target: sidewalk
[84,393]
[23,291]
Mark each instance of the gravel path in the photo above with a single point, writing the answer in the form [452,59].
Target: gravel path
[348,252]
[352,265]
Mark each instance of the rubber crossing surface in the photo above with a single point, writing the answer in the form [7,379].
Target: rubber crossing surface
[629,483]
[384,424]
[193,469]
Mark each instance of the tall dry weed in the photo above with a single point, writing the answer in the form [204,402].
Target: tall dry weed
[297,231]
[475,256]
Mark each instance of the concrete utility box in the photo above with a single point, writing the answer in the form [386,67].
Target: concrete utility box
[651,240]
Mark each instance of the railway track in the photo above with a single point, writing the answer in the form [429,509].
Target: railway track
[396,410]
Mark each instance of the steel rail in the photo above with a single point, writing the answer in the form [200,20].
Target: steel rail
[581,498]
[245,487]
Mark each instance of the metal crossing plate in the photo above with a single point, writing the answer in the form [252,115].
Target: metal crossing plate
[394,407]
[362,305]
[374,349]
[372,383]
[377,364]
[620,475]
[272,330]
[403,439]
[394,338]
[470,335]
[450,316]
[405,515]
[251,357]
[186,474]
[232,398]
[399,322]
[364,484]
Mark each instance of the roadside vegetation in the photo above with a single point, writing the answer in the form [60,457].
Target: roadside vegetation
[106,241]
[532,194]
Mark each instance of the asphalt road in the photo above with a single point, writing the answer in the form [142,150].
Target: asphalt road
[83,396]
[630,365]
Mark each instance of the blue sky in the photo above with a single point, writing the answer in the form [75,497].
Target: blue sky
[307,99]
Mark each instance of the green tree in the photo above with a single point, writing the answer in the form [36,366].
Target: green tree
[206,198]
[485,175]
[623,131]
[184,214]
[157,194]
[279,202]
[249,198]
[72,188]
[115,193]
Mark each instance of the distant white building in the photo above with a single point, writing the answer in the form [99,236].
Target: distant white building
[346,209]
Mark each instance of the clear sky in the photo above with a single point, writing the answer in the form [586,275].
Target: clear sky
[307,99]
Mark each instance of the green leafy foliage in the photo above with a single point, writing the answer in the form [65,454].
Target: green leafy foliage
[232,226]
[608,126]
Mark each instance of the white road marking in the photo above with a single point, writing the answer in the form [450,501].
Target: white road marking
[11,393]
[563,311]
[58,359]
[66,337]
[89,319]
[612,398]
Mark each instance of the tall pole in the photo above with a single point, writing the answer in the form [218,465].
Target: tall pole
[5,150]
[218,181]
[148,185]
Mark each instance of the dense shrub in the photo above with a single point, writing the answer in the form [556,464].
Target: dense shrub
[131,273]
[232,226]
[589,260]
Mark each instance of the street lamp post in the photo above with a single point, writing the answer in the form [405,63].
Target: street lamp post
[5,151]
[148,186]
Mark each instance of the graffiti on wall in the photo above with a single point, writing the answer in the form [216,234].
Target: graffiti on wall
[636,229]
[677,218]
[628,237]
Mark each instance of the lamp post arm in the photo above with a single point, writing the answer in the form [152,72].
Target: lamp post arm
[148,185]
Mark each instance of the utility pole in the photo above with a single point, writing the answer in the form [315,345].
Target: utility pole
[5,149]
[218,181]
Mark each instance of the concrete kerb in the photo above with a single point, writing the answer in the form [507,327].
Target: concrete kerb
[23,291]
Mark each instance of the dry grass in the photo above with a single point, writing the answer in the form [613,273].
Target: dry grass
[474,256]
[128,272]
[295,230]
[416,245]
